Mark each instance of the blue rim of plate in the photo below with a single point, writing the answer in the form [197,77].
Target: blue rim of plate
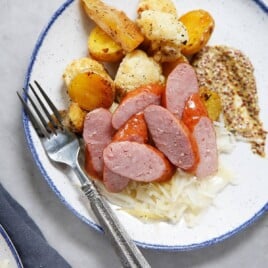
[11,246]
[25,120]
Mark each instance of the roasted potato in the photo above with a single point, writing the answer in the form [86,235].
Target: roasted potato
[200,25]
[212,102]
[135,70]
[164,32]
[89,84]
[102,47]
[115,23]
[91,91]
[166,6]
[84,65]
[74,118]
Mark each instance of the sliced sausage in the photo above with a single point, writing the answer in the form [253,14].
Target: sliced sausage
[171,137]
[181,83]
[205,136]
[194,109]
[139,162]
[136,101]
[93,161]
[134,129]
[113,182]
[97,134]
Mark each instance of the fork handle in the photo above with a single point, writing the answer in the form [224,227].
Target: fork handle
[128,252]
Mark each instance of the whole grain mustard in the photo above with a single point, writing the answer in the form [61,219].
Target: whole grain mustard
[230,73]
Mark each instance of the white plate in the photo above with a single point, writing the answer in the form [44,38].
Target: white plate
[9,257]
[242,24]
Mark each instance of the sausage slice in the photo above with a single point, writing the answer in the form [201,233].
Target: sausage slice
[97,134]
[205,136]
[136,101]
[134,129]
[181,83]
[171,137]
[113,182]
[139,162]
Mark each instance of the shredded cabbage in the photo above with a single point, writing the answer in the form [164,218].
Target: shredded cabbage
[184,196]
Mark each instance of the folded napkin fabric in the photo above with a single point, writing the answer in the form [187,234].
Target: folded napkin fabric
[27,238]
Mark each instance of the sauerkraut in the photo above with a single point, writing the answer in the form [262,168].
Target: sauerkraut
[184,196]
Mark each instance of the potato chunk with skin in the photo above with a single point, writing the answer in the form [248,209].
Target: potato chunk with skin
[102,47]
[166,6]
[115,23]
[89,84]
[160,26]
[91,91]
[165,34]
[135,70]
[200,25]
[84,65]
[212,102]
[74,118]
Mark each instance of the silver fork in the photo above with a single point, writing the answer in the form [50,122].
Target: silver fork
[63,146]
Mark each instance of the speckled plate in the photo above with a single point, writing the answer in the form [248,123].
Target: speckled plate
[9,257]
[241,24]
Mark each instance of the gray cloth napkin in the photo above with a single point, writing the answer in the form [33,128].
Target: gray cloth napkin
[27,238]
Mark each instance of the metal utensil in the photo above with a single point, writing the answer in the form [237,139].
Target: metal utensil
[63,146]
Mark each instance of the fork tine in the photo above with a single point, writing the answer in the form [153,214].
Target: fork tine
[33,120]
[50,103]
[41,117]
[51,120]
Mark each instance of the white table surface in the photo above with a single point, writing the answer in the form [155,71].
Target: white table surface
[20,25]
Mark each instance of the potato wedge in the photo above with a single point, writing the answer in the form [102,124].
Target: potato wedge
[200,25]
[212,102]
[89,84]
[115,23]
[102,47]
